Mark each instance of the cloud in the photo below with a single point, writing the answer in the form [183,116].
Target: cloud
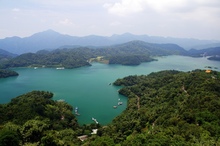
[125,7]
[208,3]
[116,23]
[16,10]
[170,5]
[65,22]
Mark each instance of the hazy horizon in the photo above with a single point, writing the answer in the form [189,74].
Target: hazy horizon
[108,35]
[198,19]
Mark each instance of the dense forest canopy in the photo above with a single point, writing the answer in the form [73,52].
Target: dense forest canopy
[130,60]
[167,108]
[34,118]
[164,108]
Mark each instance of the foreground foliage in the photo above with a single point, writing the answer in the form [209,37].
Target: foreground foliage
[167,108]
[36,118]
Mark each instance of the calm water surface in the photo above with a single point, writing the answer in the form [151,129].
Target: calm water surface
[88,87]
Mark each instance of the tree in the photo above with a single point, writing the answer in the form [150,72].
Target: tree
[33,130]
[102,141]
[9,138]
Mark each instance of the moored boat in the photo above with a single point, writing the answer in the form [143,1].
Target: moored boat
[95,120]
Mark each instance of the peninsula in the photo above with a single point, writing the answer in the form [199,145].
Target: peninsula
[7,73]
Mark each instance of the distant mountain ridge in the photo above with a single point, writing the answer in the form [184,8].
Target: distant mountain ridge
[51,40]
[6,53]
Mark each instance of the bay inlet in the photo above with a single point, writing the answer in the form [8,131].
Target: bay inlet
[90,88]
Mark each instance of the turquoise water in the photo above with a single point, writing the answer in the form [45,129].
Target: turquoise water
[88,87]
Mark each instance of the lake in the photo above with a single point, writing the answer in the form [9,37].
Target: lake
[88,87]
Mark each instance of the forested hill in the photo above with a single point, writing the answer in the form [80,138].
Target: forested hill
[5,55]
[131,53]
[35,119]
[206,52]
[212,53]
[150,48]
[167,108]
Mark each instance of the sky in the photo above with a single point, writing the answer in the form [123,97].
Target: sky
[198,19]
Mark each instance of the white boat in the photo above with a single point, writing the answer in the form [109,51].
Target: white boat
[76,111]
[95,120]
[60,68]
[120,103]
[61,100]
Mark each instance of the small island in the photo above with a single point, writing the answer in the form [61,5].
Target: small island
[4,73]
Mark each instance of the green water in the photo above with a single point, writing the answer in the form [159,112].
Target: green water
[88,87]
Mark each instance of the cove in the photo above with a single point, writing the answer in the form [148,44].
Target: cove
[88,87]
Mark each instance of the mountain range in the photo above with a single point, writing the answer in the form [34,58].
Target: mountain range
[51,40]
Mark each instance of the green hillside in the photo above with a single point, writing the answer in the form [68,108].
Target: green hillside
[35,118]
[167,108]
[131,53]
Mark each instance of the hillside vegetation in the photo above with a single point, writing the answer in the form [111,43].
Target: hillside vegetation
[167,108]
[131,53]
[205,52]
[5,55]
[34,118]
[211,53]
